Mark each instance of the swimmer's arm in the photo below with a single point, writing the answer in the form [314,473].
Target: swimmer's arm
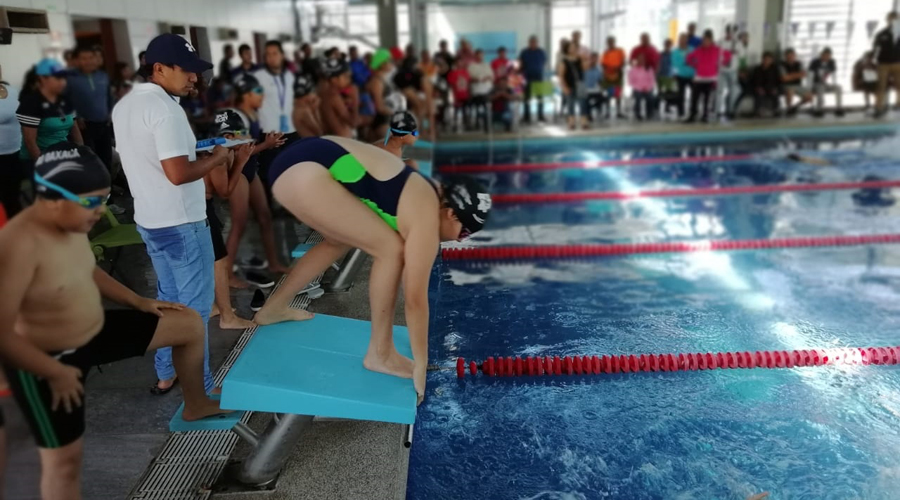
[421,247]
[115,291]
[218,180]
[29,136]
[335,117]
[17,269]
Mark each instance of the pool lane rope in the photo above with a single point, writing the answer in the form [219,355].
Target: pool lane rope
[631,363]
[632,162]
[618,249]
[507,199]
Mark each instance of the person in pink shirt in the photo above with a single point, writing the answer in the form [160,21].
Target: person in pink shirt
[651,55]
[642,80]
[500,65]
[705,60]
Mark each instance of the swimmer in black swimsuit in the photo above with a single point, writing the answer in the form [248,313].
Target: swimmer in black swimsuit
[249,98]
[222,181]
[359,196]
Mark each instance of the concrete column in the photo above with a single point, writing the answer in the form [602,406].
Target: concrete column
[764,22]
[418,24]
[388,35]
[549,44]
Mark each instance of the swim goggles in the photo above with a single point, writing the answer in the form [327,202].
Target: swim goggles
[387,137]
[88,202]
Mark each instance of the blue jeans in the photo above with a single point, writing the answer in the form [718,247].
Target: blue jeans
[182,257]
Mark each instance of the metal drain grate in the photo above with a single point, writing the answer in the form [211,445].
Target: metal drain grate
[190,462]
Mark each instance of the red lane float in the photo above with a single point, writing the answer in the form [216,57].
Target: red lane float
[601,250]
[501,199]
[632,162]
[597,365]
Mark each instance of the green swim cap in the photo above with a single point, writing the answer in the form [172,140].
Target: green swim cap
[380,57]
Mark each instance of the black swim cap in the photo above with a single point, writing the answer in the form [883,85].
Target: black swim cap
[72,167]
[303,86]
[403,123]
[229,121]
[334,67]
[245,83]
[470,201]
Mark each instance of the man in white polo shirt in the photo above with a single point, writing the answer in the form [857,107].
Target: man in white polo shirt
[157,147]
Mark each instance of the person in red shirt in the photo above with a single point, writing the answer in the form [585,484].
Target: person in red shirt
[500,65]
[459,81]
[651,55]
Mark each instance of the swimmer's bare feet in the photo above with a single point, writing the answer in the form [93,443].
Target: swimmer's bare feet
[234,322]
[235,282]
[393,363]
[279,269]
[267,316]
[205,408]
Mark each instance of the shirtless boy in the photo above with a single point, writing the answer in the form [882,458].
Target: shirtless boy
[307,116]
[337,118]
[52,324]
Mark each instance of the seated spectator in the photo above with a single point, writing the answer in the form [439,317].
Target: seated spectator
[337,118]
[642,80]
[865,77]
[500,65]
[613,74]
[705,60]
[823,71]
[307,108]
[766,82]
[460,81]
[482,82]
[571,79]
[792,76]
[593,86]
[501,103]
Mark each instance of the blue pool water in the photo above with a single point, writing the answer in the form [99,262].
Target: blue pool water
[805,433]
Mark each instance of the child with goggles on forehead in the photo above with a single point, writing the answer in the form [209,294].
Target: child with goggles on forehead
[53,327]
[221,182]
[403,131]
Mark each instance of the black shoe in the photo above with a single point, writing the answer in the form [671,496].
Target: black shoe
[839,113]
[259,280]
[253,263]
[258,301]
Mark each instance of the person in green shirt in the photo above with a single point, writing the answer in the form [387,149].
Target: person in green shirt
[46,116]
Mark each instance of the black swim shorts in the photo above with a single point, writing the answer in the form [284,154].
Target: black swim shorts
[125,334]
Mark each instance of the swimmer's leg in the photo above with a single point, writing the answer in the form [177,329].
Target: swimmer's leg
[183,331]
[310,193]
[239,205]
[260,204]
[61,471]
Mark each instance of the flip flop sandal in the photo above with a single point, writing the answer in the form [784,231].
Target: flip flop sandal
[156,391]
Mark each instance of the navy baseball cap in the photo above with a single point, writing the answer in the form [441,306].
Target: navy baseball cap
[172,50]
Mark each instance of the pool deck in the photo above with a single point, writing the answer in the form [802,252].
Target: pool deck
[338,459]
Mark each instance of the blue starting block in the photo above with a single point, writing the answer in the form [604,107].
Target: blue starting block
[301,249]
[315,368]
[298,370]
[217,423]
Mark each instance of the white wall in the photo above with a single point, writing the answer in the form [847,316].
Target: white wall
[271,17]
[446,21]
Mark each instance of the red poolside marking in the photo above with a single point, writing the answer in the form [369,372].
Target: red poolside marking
[524,167]
[673,193]
[599,250]
[594,365]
